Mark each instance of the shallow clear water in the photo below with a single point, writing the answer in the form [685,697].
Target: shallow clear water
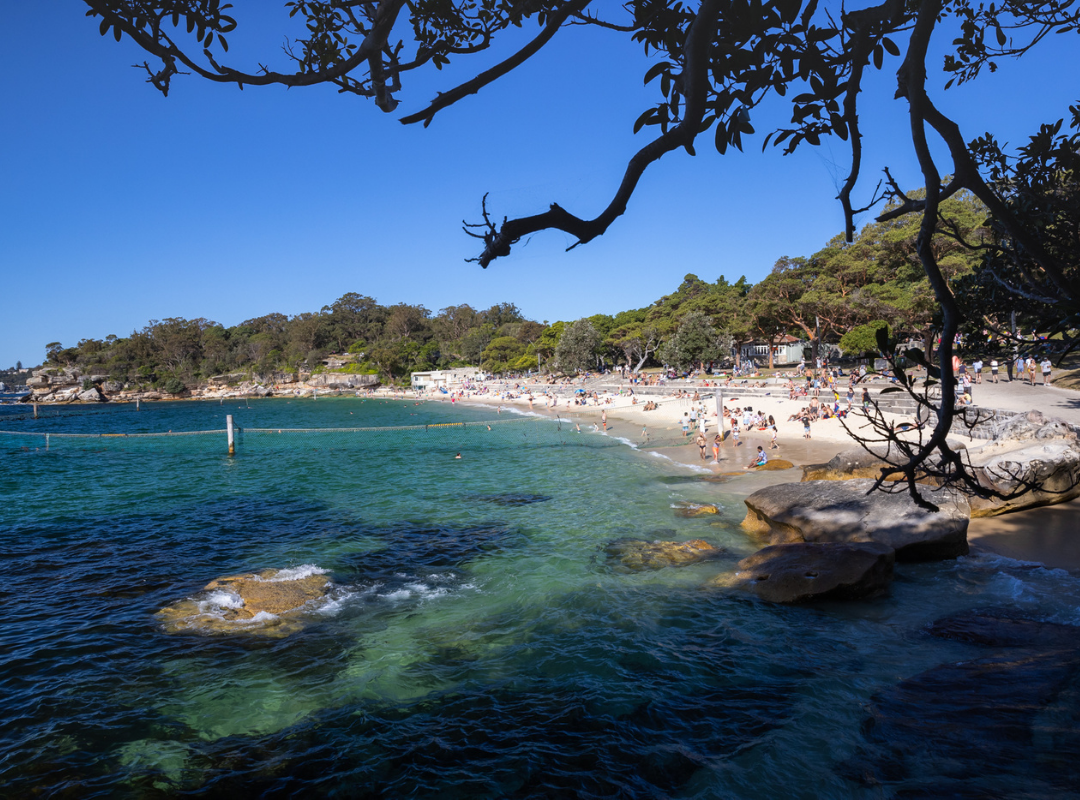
[472,648]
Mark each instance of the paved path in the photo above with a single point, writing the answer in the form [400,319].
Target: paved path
[1017,396]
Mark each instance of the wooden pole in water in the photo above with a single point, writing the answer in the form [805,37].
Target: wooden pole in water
[35,411]
[229,431]
[136,403]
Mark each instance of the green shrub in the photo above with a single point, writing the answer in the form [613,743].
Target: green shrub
[173,386]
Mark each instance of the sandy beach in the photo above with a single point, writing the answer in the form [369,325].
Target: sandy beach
[1047,535]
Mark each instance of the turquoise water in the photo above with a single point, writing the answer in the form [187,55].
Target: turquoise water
[474,645]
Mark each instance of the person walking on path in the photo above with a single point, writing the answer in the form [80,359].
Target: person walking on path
[977,366]
[994,370]
[1031,370]
[1046,367]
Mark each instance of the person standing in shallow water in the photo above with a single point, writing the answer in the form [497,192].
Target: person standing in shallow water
[702,443]
[603,419]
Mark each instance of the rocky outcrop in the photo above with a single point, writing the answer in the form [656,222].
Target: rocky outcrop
[1030,425]
[803,572]
[842,511]
[635,555]
[266,603]
[860,462]
[91,395]
[342,380]
[1026,473]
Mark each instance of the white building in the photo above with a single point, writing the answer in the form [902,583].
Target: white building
[787,350]
[448,379]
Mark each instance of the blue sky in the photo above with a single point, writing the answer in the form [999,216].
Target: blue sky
[120,206]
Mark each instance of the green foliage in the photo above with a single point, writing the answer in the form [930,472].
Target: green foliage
[694,342]
[577,348]
[87,384]
[501,354]
[864,340]
[173,385]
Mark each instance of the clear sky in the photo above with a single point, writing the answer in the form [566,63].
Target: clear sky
[119,206]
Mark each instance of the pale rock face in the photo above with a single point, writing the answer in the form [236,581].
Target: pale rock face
[1028,473]
[842,511]
[91,395]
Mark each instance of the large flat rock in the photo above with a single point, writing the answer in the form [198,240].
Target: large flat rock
[843,511]
[803,572]
[1025,474]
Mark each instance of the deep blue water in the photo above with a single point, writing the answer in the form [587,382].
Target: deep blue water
[473,647]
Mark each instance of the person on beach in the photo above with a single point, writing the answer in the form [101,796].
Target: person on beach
[760,461]
[702,443]
[1046,367]
[735,435]
[603,419]
[685,424]
[806,426]
[716,442]
[772,426]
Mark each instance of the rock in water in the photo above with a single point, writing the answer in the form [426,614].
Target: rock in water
[264,603]
[1005,627]
[636,555]
[695,509]
[773,465]
[512,498]
[842,511]
[1004,725]
[801,572]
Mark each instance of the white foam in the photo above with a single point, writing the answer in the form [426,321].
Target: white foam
[426,592]
[262,616]
[333,605]
[296,573]
[400,594]
[219,600]
[691,467]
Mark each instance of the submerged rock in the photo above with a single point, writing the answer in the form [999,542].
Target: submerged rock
[264,603]
[695,509]
[842,511]
[1003,627]
[636,555]
[512,498]
[1005,725]
[802,572]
